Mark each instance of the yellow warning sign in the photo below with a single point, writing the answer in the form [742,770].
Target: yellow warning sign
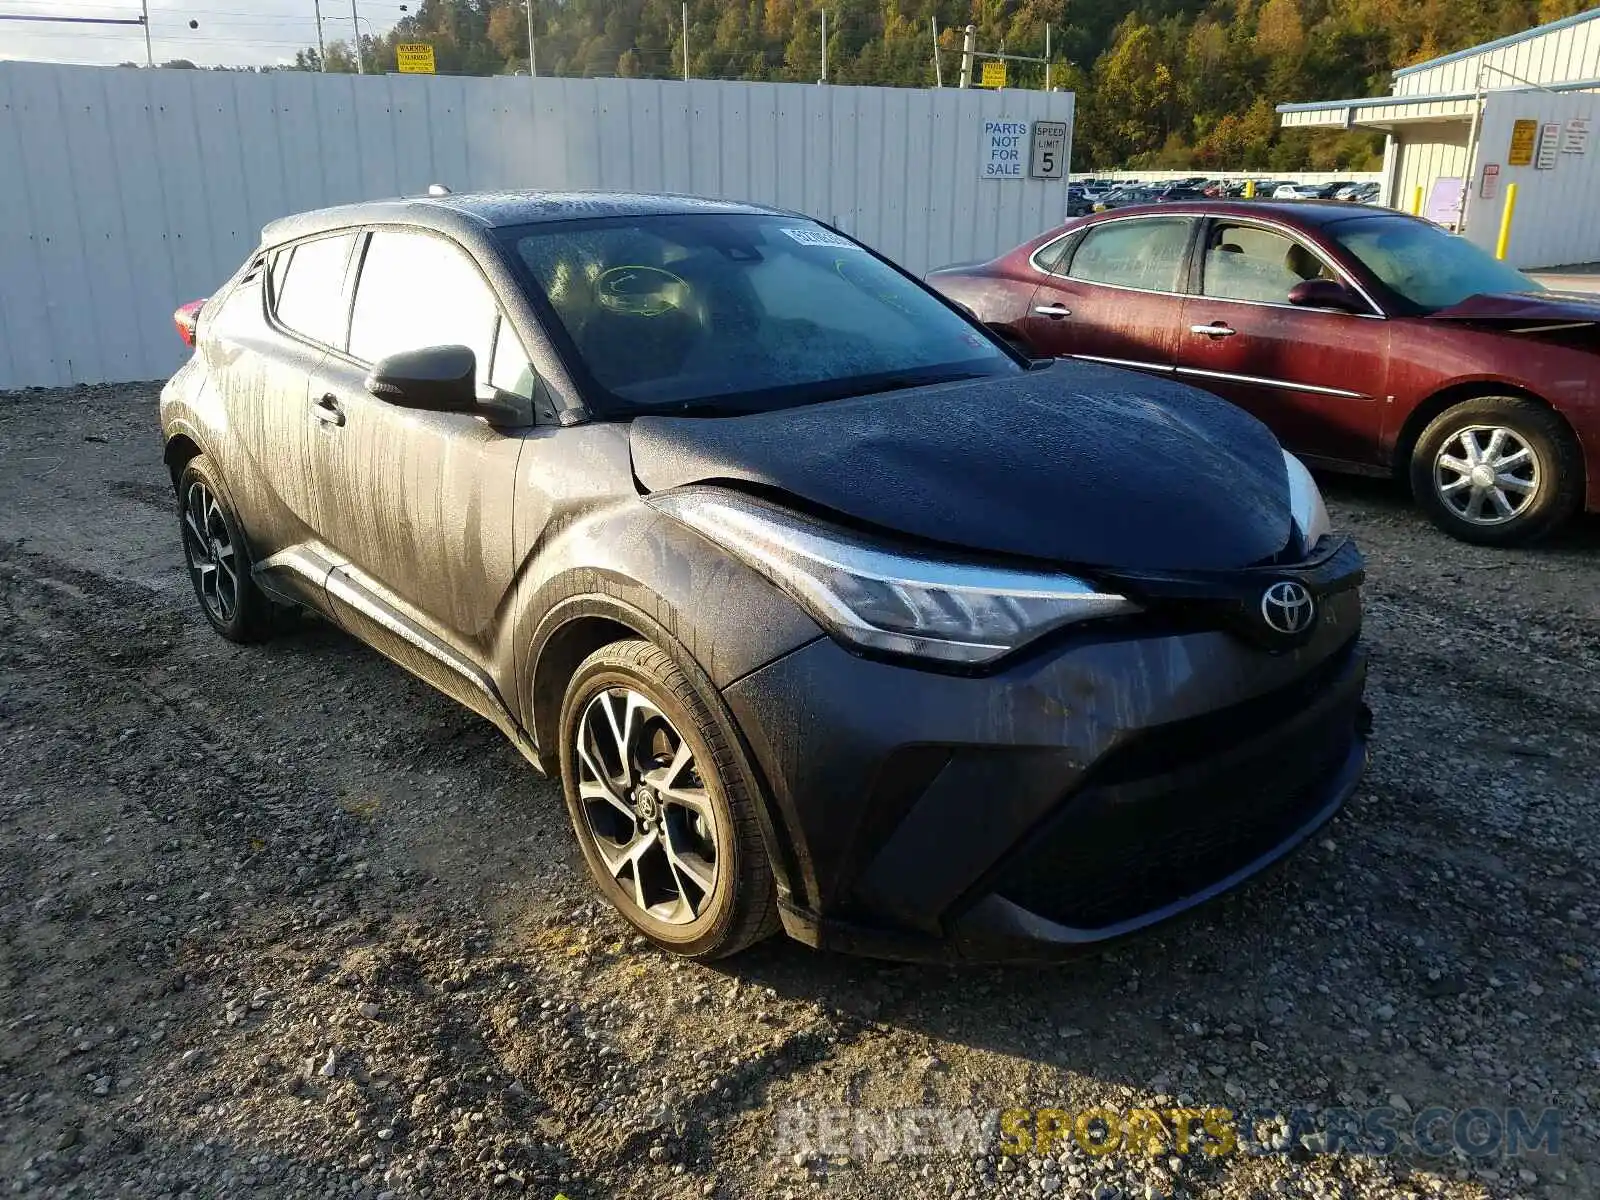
[1523,134]
[414,58]
[994,74]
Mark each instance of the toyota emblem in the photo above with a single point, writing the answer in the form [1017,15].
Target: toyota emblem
[1287,608]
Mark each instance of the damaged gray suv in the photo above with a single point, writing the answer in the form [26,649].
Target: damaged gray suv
[830,610]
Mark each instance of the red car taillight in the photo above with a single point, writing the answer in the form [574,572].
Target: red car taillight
[186,318]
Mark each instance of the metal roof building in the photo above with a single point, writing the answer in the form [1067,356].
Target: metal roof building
[1459,129]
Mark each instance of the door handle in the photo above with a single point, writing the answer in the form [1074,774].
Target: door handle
[1053,311]
[1218,330]
[327,410]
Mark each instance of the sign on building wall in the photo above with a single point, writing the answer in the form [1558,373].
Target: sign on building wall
[1523,134]
[1549,145]
[414,58]
[1000,152]
[1575,139]
[1048,159]
[1491,181]
[1444,202]
[994,74]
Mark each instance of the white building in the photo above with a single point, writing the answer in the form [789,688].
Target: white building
[1517,110]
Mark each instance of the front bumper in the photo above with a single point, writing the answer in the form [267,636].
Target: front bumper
[1076,797]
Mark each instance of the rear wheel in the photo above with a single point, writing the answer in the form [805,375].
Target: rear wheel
[1497,470]
[662,804]
[218,560]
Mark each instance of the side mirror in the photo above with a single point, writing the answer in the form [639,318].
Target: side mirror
[437,379]
[1325,293]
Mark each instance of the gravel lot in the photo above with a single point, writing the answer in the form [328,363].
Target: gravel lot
[281,921]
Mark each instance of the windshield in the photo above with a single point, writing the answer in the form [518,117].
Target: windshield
[1424,264]
[739,313]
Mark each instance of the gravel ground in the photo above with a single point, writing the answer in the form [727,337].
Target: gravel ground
[281,921]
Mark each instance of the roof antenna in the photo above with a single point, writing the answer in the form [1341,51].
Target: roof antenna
[438,189]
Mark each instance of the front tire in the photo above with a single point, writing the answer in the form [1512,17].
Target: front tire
[218,558]
[663,804]
[1497,471]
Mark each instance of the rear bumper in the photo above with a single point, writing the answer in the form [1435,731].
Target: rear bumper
[1061,804]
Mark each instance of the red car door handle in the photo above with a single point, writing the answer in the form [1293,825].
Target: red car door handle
[327,410]
[1054,311]
[1218,329]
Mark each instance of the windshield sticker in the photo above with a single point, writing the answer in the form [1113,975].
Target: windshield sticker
[820,237]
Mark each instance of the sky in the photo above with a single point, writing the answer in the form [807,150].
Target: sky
[230,33]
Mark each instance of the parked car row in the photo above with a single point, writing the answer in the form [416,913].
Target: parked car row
[1103,195]
[832,608]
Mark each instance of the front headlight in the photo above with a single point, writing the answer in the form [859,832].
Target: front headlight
[1305,502]
[878,598]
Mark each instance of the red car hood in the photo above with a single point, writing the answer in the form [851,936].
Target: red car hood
[1533,308]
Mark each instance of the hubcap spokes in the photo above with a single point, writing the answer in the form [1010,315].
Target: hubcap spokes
[209,550]
[1486,474]
[646,805]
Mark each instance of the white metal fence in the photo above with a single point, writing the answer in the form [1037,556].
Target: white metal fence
[127,192]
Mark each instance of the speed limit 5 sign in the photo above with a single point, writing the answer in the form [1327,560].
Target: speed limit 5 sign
[1049,157]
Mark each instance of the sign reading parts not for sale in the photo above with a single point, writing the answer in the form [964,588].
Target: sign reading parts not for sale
[1000,151]
[414,58]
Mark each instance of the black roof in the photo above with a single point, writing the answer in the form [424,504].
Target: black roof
[492,210]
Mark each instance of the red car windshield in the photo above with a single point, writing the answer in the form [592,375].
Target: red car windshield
[1425,265]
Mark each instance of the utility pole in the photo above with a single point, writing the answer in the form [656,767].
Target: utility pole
[149,54]
[938,72]
[355,20]
[322,53]
[686,41]
[533,67]
[969,54]
[824,78]
[1047,58]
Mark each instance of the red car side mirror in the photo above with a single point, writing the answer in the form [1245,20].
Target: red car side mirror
[1325,293]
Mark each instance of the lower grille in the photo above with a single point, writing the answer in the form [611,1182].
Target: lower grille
[1131,841]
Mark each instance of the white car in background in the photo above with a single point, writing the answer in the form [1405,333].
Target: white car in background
[1296,191]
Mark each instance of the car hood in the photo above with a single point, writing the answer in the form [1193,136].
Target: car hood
[1076,464]
[1523,306]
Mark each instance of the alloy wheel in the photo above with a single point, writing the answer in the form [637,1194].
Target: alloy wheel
[210,551]
[646,805]
[1486,474]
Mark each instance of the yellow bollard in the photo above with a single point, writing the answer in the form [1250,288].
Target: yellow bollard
[1505,222]
[1416,203]
[1249,189]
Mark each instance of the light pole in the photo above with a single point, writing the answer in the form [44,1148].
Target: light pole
[355,20]
[322,53]
[533,62]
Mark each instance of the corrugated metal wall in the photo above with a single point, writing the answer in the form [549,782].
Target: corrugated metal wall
[1557,219]
[1568,52]
[1428,152]
[129,191]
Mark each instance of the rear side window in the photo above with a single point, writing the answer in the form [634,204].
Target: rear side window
[416,291]
[1053,256]
[309,289]
[1146,254]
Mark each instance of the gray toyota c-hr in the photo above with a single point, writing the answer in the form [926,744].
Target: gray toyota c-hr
[830,610]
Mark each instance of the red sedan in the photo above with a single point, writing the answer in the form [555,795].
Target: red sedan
[1365,339]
